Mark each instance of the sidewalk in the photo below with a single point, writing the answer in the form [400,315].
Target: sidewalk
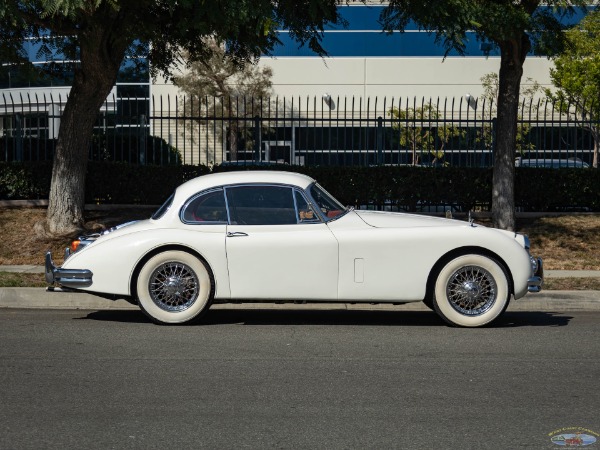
[544,301]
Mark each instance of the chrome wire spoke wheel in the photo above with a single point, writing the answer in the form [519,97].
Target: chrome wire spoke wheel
[471,290]
[173,286]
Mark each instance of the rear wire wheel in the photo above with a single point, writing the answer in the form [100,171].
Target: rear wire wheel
[174,287]
[471,291]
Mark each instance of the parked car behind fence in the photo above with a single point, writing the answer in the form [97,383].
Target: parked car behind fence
[553,163]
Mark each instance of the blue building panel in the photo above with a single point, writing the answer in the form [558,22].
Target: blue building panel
[364,17]
[362,37]
[378,44]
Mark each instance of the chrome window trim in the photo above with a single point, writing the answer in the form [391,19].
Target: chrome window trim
[321,218]
[296,206]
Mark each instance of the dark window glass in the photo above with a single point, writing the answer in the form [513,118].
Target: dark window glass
[205,208]
[134,71]
[261,205]
[306,213]
[129,92]
[330,207]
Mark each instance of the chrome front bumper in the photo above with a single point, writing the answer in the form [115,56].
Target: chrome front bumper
[534,284]
[70,278]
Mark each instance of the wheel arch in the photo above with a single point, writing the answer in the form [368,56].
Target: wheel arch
[461,251]
[164,248]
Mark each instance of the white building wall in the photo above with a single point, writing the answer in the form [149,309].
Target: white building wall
[198,143]
[400,77]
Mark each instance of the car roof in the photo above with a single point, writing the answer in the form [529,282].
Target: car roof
[213,180]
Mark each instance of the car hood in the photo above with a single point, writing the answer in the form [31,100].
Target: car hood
[383,219]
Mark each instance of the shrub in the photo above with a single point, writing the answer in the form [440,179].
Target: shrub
[404,187]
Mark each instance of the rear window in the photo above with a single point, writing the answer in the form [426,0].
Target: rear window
[208,207]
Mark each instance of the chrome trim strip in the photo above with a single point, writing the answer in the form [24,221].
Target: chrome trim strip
[236,234]
[535,283]
[71,278]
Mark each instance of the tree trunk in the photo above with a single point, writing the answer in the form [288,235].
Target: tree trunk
[66,201]
[101,57]
[513,53]
[233,140]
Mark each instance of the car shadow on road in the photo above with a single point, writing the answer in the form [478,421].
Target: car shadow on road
[533,319]
[338,317]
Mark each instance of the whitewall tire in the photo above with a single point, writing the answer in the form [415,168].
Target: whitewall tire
[471,291]
[174,287]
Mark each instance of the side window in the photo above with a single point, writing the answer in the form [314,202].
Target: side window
[330,207]
[306,213]
[206,208]
[261,205]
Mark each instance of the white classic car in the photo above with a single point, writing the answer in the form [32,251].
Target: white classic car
[279,236]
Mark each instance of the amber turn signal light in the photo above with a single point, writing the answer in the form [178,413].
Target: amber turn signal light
[75,245]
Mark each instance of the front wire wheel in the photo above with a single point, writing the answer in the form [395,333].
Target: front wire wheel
[174,287]
[471,291]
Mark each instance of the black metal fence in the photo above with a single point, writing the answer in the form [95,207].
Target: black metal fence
[301,131]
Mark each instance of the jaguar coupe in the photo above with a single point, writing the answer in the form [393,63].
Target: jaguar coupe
[271,236]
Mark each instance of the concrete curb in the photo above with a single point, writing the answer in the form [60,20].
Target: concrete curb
[22,269]
[39,298]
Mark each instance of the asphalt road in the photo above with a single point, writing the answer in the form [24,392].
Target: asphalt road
[295,379]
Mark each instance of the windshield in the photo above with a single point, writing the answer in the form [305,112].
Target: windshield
[164,208]
[329,206]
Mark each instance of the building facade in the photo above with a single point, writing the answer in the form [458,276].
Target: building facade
[333,109]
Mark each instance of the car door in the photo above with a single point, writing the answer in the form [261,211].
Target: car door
[277,246]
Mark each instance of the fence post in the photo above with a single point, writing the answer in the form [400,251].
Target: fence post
[19,138]
[257,136]
[142,139]
[380,140]
[494,120]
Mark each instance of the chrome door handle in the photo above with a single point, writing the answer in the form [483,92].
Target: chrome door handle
[236,234]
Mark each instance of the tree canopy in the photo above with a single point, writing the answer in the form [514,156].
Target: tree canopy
[219,76]
[218,86]
[161,29]
[516,28]
[576,76]
[95,36]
